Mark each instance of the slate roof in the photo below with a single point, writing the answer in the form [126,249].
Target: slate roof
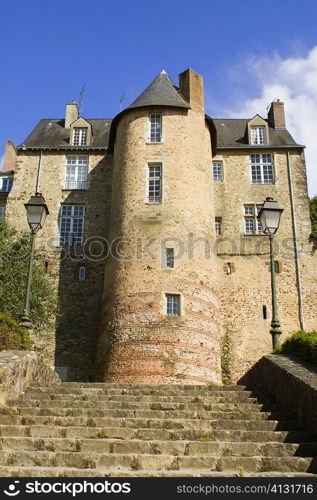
[231,134]
[51,134]
[161,92]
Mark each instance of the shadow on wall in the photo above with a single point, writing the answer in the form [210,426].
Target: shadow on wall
[81,278]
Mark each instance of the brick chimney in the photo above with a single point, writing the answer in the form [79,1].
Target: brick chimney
[276,114]
[71,113]
[191,86]
[10,156]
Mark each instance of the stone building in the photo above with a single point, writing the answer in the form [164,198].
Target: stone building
[162,268]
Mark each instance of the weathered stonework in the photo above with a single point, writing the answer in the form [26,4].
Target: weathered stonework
[20,369]
[113,325]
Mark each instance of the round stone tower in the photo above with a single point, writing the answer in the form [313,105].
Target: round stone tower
[160,312]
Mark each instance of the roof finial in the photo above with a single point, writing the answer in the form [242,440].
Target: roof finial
[163,72]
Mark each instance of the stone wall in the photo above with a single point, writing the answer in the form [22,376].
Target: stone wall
[244,263]
[70,345]
[285,384]
[20,369]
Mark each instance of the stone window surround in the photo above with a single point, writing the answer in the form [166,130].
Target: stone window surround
[218,171]
[179,305]
[262,164]
[72,218]
[149,199]
[252,216]
[73,185]
[152,117]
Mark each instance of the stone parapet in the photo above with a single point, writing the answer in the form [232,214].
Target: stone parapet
[20,369]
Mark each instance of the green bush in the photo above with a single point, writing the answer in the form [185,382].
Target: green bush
[12,336]
[303,345]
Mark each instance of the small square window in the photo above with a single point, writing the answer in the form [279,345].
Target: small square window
[2,212]
[173,305]
[252,225]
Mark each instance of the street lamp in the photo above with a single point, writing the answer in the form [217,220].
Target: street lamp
[36,212]
[269,216]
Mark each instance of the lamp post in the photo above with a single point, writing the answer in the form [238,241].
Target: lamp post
[269,216]
[36,212]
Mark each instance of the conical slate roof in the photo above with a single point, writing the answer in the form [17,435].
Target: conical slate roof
[161,92]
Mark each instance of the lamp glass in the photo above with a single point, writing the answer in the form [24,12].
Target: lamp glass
[36,215]
[270,220]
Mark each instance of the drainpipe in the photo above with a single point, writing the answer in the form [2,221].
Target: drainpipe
[38,173]
[296,250]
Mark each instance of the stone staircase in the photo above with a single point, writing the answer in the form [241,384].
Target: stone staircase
[103,430]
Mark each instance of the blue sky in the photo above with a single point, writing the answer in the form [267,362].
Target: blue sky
[245,50]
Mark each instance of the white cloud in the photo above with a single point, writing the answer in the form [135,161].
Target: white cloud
[294,81]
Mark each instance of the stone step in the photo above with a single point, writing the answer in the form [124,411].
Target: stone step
[122,433]
[41,403]
[71,472]
[159,447]
[216,397]
[87,412]
[138,388]
[117,462]
[149,423]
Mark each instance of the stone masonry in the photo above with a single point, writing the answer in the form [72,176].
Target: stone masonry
[113,325]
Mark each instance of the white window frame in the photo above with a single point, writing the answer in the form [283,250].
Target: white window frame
[217,171]
[75,167]
[218,225]
[155,133]
[80,136]
[258,135]
[6,183]
[153,181]
[2,212]
[262,168]
[251,211]
[173,304]
[71,226]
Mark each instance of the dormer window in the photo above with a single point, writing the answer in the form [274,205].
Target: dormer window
[258,135]
[6,184]
[79,137]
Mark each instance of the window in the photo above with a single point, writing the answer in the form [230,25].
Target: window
[262,169]
[155,183]
[173,305]
[76,172]
[80,137]
[251,223]
[169,257]
[217,171]
[218,224]
[2,212]
[72,225]
[5,184]
[258,135]
[155,128]
[82,273]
